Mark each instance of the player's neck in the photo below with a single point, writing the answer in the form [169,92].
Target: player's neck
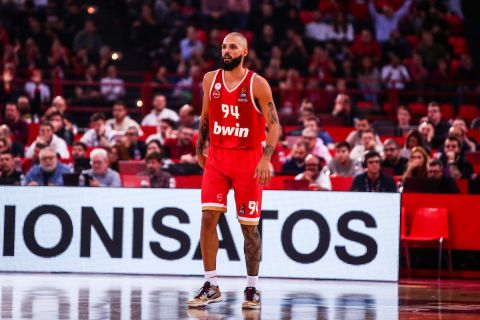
[236,74]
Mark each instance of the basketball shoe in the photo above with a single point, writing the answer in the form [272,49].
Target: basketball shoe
[252,298]
[207,294]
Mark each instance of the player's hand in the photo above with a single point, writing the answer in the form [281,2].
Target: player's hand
[262,171]
[201,160]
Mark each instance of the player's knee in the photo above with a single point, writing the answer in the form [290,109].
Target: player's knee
[210,219]
[250,231]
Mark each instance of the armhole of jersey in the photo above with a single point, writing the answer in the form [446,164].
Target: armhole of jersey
[211,85]
[253,96]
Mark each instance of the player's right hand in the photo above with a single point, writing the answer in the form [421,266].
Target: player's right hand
[201,160]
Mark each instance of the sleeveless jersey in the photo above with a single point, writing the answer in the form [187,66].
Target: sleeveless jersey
[235,120]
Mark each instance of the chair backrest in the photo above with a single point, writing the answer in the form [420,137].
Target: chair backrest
[430,222]
[132,181]
[131,167]
[340,183]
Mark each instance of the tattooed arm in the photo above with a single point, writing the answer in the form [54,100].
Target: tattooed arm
[263,94]
[203,130]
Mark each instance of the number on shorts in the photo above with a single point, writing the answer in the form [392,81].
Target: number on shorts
[253,206]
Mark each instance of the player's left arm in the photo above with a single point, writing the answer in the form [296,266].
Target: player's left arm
[263,96]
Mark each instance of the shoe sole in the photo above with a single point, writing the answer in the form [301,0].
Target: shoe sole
[206,303]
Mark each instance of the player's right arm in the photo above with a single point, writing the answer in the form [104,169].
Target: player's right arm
[203,130]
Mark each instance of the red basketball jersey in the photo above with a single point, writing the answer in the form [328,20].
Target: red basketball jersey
[235,120]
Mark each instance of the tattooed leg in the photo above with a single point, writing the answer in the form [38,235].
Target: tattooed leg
[252,249]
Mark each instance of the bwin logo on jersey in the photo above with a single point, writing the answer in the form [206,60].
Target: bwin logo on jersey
[230,131]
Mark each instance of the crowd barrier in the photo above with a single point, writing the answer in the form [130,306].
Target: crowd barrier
[305,234]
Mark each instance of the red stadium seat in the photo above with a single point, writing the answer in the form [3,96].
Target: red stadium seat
[306,16]
[188,182]
[340,183]
[33,129]
[134,181]
[474,158]
[202,36]
[412,41]
[448,111]
[131,167]
[147,131]
[365,105]
[468,112]
[418,108]
[429,225]
[459,45]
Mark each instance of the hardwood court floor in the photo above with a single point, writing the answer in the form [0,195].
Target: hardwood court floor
[62,296]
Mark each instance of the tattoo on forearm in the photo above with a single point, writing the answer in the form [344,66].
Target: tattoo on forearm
[202,134]
[268,150]
[272,113]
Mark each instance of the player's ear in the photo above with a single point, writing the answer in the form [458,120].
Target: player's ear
[245,52]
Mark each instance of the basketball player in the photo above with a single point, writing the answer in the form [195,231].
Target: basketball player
[237,108]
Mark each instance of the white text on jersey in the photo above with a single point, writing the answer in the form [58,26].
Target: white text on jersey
[230,110]
[230,131]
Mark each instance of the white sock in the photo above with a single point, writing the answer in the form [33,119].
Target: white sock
[211,276]
[252,281]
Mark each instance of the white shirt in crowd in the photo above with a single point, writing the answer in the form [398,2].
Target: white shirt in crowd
[112,88]
[58,144]
[323,180]
[124,125]
[152,118]
[398,76]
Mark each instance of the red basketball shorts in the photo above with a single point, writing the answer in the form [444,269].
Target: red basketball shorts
[227,168]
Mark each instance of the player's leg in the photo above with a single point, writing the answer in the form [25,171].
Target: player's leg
[215,186]
[248,198]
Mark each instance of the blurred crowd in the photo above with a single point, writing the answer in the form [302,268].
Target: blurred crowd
[323,58]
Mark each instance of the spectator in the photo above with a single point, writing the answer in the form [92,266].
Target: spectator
[101,175]
[467,74]
[373,180]
[392,158]
[23,104]
[427,131]
[265,41]
[318,180]
[37,91]
[165,130]
[461,129]
[112,88]
[121,121]
[213,14]
[365,45]
[341,164]
[445,184]
[118,152]
[341,29]
[190,46]
[418,73]
[238,12]
[454,163]
[8,174]
[99,135]
[441,126]
[317,30]
[412,140]
[396,43]
[403,121]
[395,75]
[159,111]
[154,146]
[136,148]
[7,87]
[17,125]
[315,145]
[48,172]
[367,138]
[295,163]
[14,147]
[79,154]
[88,92]
[417,164]
[387,20]
[158,177]
[430,50]
[88,38]
[59,127]
[344,110]
[47,137]
[314,124]
[182,145]
[361,125]
[188,117]
[369,80]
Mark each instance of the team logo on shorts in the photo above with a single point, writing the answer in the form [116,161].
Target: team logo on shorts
[217,86]
[219,197]
[216,94]
[241,210]
[243,95]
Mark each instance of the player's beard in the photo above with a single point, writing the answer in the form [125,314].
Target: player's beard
[232,64]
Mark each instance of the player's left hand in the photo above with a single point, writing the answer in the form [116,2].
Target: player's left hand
[262,171]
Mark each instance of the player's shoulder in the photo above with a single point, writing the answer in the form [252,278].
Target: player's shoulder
[209,76]
[259,80]
[261,85]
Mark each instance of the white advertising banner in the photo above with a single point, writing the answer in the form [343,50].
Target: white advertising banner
[324,235]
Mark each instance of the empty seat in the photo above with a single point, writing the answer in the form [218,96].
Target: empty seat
[468,112]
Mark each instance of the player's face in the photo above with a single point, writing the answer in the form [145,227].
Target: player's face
[232,53]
